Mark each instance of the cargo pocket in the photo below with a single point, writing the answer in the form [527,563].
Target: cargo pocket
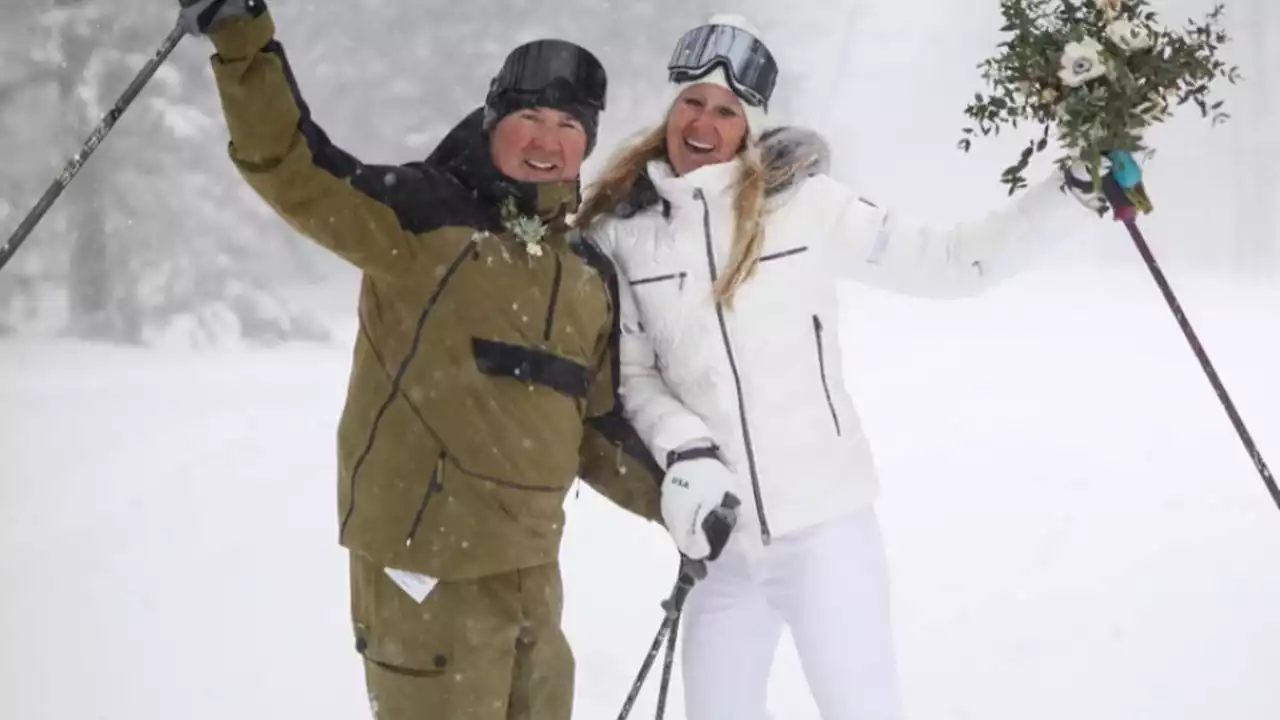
[394,631]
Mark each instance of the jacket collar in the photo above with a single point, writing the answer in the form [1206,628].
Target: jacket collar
[788,146]
[712,180]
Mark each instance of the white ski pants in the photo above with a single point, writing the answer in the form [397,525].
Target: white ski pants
[830,586]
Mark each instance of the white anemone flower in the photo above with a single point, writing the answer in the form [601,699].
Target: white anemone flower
[1128,36]
[1081,62]
[1110,7]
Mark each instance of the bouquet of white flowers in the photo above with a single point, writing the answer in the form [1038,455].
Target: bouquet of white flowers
[1100,71]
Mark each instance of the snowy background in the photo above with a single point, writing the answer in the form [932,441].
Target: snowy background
[1074,529]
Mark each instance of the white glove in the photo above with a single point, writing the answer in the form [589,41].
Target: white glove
[698,504]
[1121,183]
[1080,185]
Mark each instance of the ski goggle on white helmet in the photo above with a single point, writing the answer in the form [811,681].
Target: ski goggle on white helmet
[748,65]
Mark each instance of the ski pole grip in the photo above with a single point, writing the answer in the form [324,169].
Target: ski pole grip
[1123,209]
[719,524]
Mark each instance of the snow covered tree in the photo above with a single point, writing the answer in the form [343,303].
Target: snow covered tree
[159,235]
[155,235]
[1257,188]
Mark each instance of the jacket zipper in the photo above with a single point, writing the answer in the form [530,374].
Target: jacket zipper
[396,382]
[555,298]
[434,486]
[765,534]
[662,278]
[822,368]
[377,301]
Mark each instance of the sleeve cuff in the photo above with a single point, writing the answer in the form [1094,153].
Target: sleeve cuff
[677,433]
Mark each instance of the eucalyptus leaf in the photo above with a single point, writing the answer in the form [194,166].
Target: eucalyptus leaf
[1141,84]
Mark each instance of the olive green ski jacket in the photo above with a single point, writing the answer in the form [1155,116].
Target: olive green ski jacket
[484,376]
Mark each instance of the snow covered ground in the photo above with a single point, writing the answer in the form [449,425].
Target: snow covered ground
[1075,531]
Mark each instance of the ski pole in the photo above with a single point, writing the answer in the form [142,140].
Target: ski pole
[690,572]
[668,666]
[718,525]
[99,133]
[1120,187]
[638,685]
[1224,397]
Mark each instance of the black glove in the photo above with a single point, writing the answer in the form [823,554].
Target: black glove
[200,17]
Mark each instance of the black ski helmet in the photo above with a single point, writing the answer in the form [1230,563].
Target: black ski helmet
[555,74]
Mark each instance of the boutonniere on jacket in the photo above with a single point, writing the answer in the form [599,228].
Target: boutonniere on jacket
[528,230]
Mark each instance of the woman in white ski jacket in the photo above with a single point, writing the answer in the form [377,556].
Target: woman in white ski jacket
[730,245]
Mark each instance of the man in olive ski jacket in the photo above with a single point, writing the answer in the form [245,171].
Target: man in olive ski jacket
[484,376]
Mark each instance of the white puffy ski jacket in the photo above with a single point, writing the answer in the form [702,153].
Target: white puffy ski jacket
[764,380]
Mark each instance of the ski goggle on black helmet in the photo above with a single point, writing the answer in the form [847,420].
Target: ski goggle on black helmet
[749,66]
[553,67]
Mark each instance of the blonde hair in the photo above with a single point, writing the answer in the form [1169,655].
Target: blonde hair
[754,183]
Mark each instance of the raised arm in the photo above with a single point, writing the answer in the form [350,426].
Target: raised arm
[369,215]
[884,249]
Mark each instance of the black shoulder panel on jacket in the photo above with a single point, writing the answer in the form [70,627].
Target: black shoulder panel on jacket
[614,427]
[422,197]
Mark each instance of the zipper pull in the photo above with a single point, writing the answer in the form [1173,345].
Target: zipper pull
[434,485]
[683,275]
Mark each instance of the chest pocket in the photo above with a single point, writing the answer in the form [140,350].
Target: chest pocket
[783,276]
[661,296]
[677,277]
[780,296]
